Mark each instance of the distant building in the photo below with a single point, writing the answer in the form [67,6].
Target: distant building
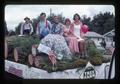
[97,38]
[109,36]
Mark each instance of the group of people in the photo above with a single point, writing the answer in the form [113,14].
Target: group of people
[63,39]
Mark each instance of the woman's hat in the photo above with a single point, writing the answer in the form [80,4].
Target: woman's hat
[26,18]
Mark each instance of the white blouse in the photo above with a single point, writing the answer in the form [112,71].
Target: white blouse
[26,26]
[77,31]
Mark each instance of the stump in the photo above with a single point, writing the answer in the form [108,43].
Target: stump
[30,59]
[38,60]
[34,50]
[19,55]
[9,52]
[41,60]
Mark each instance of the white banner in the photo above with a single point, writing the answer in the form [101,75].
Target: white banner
[90,71]
[43,48]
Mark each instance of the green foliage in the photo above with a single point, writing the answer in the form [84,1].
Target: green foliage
[65,64]
[24,42]
[96,60]
[103,22]
[61,18]
[105,60]
[17,28]
[93,51]
[95,56]
[87,20]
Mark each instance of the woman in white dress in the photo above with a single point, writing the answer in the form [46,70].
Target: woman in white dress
[78,30]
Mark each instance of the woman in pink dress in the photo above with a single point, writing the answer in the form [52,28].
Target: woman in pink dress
[71,40]
[78,30]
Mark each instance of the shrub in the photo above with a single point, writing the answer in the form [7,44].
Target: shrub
[24,42]
[96,60]
[95,56]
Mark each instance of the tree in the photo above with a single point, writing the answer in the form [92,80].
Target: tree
[109,25]
[87,21]
[103,22]
[61,18]
[17,29]
[50,18]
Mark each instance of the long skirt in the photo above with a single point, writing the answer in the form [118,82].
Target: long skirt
[73,44]
[58,44]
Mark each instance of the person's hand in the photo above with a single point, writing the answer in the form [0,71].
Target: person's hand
[65,34]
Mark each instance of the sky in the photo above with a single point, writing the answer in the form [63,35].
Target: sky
[14,14]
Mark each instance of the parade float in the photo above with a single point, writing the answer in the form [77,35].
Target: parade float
[23,59]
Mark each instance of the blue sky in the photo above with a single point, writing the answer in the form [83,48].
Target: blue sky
[14,14]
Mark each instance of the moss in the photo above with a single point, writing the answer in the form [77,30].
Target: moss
[95,56]
[64,65]
[79,62]
[96,61]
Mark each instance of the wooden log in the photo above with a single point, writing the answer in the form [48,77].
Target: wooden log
[37,61]
[9,48]
[10,52]
[19,56]
[15,55]
[34,50]
[40,60]
[30,59]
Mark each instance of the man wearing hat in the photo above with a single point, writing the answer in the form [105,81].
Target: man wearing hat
[26,27]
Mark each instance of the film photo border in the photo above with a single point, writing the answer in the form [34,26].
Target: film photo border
[73,2]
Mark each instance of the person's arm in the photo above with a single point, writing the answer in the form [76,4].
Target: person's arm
[71,31]
[51,29]
[37,30]
[31,29]
[65,33]
[61,29]
[50,25]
